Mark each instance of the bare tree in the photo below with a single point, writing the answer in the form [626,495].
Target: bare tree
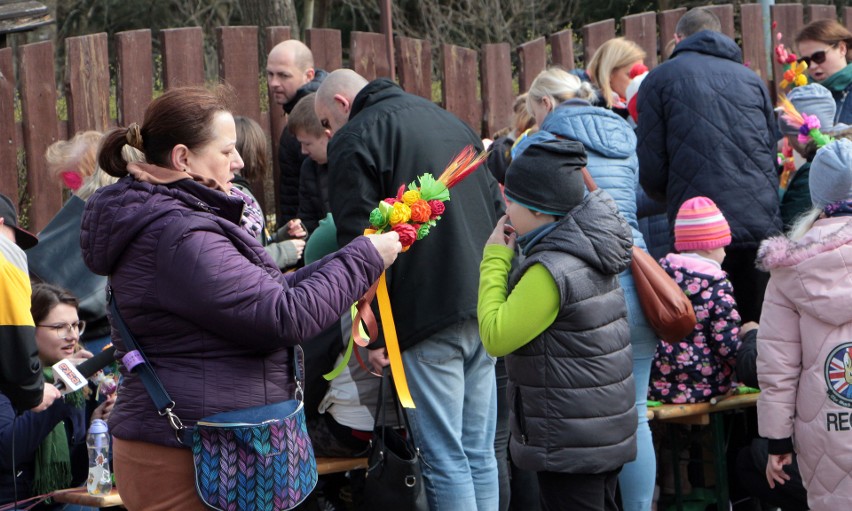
[266,13]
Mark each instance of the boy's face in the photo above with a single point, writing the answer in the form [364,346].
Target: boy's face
[525,220]
[314,147]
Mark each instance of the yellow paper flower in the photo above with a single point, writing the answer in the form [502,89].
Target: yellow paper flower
[401,213]
[410,197]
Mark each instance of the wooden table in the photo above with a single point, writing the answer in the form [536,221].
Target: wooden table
[81,497]
[704,414]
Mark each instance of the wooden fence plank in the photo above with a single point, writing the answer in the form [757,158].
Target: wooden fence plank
[594,35]
[751,28]
[87,82]
[642,30]
[183,56]
[326,46]
[562,48]
[38,106]
[667,21]
[725,13]
[821,12]
[460,83]
[238,67]
[788,19]
[847,17]
[135,70]
[533,58]
[497,96]
[8,130]
[276,119]
[414,66]
[368,53]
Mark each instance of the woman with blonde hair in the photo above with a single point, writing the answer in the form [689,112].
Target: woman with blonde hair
[562,106]
[610,69]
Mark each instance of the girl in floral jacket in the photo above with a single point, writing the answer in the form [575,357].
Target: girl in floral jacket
[702,364]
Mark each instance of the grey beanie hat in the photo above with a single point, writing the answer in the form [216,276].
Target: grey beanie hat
[547,177]
[830,178]
[811,99]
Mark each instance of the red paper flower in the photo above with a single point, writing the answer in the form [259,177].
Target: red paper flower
[437,208]
[407,234]
[391,201]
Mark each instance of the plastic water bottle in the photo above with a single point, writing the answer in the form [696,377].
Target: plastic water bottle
[97,442]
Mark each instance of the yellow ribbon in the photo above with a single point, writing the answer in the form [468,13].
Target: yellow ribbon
[392,344]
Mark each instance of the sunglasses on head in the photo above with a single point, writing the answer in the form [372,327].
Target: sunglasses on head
[817,57]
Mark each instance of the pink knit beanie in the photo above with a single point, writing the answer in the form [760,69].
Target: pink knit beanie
[700,226]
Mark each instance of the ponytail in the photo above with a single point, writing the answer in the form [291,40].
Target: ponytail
[110,157]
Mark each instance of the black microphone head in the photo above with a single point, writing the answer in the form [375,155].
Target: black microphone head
[92,365]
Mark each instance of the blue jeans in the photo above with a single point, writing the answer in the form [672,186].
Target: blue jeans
[638,477]
[453,386]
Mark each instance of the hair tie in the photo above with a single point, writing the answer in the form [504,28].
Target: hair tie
[134,136]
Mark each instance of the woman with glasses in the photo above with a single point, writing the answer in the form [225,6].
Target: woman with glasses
[826,47]
[49,447]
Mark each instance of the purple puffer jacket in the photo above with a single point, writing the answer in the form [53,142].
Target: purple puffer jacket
[208,306]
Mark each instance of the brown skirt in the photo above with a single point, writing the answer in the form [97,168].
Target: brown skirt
[152,477]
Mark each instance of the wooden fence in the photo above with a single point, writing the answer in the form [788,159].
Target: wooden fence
[476,85]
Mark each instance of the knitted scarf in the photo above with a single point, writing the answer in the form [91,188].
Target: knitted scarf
[53,457]
[839,80]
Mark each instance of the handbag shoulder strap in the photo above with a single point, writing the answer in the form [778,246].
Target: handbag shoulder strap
[380,422]
[136,362]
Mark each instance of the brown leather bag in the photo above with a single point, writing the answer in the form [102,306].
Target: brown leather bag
[667,308]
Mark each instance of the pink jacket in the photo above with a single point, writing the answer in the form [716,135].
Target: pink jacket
[804,361]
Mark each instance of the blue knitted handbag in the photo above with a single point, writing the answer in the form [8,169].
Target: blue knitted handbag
[258,458]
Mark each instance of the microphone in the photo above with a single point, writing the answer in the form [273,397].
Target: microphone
[70,377]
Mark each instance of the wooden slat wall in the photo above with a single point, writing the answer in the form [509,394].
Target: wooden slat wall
[789,20]
[533,58]
[414,65]
[277,120]
[460,66]
[135,75]
[642,30]
[667,21]
[87,83]
[8,132]
[562,49]
[821,12]
[754,54]
[594,35]
[847,17]
[497,96]
[369,55]
[183,56]
[326,46]
[38,106]
[725,13]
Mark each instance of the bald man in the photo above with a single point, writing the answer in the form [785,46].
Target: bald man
[290,75]
[383,137]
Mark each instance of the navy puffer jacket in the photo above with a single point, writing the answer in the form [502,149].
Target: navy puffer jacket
[206,303]
[706,127]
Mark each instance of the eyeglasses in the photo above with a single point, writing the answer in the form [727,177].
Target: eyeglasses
[817,57]
[64,331]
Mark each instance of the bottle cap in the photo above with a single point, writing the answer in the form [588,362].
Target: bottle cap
[98,426]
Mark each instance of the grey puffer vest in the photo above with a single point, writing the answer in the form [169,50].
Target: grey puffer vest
[571,388]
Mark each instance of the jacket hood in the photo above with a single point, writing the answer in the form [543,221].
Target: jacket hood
[598,129]
[674,264]
[710,43]
[373,92]
[116,214]
[817,263]
[309,88]
[594,232]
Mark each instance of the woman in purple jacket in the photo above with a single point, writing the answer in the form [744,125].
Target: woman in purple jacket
[206,303]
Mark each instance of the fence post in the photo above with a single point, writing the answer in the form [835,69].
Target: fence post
[667,21]
[497,97]
[87,83]
[135,75]
[789,20]
[183,56]
[751,28]
[459,84]
[9,137]
[326,46]
[38,106]
[368,55]
[276,119]
[642,30]
[594,35]
[533,57]
[821,12]
[414,66]
[562,48]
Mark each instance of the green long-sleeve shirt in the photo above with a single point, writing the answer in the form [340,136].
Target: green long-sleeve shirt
[509,321]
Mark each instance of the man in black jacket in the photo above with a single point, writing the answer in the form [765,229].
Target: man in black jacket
[706,127]
[290,75]
[383,137]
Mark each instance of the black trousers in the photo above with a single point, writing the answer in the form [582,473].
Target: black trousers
[749,282]
[578,492]
[751,469]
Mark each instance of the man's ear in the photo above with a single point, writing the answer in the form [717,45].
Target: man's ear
[327,134]
[310,73]
[678,38]
[343,102]
[179,158]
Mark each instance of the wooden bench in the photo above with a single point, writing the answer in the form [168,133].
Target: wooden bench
[704,414]
[80,497]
